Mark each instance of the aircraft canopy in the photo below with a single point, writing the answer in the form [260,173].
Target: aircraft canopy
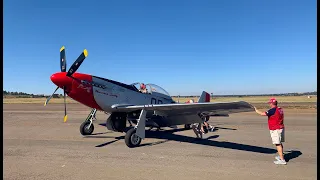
[158,89]
[151,88]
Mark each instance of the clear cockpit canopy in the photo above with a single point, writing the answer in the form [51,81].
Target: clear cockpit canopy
[158,89]
[151,88]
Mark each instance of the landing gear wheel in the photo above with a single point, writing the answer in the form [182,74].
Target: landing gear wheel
[206,130]
[85,129]
[131,138]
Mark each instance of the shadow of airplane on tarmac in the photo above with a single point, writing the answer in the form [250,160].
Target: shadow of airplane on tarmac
[168,135]
[288,155]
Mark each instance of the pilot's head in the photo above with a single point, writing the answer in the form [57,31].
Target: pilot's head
[142,86]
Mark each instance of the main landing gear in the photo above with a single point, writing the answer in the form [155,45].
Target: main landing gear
[87,127]
[134,136]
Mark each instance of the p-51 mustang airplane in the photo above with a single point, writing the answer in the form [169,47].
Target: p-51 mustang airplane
[145,105]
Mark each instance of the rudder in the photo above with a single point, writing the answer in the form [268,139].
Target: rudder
[205,97]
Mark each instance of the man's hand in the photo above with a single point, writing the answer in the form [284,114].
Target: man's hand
[259,112]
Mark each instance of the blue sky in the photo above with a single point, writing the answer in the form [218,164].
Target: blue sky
[184,46]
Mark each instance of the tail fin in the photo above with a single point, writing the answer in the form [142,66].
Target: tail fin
[205,97]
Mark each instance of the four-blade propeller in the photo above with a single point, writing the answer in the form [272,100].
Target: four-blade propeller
[73,69]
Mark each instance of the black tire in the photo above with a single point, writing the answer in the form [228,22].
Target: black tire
[84,130]
[187,126]
[206,130]
[131,139]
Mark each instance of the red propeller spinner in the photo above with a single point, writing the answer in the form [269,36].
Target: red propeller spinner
[62,81]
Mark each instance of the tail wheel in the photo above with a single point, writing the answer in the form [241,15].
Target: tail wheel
[85,129]
[131,138]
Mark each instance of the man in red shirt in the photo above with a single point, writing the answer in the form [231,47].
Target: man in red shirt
[276,127]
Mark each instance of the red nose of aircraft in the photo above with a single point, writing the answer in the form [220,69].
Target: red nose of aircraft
[61,80]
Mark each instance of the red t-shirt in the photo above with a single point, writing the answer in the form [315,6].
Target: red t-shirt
[275,118]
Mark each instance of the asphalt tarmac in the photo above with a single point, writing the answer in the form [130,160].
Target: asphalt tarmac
[38,145]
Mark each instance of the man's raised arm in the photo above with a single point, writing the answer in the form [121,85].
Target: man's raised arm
[259,112]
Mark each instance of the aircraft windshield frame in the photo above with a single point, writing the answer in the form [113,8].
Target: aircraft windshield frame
[135,85]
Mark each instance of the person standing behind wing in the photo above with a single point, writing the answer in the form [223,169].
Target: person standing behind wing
[205,122]
[276,127]
[196,126]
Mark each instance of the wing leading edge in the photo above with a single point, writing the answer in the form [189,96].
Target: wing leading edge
[177,109]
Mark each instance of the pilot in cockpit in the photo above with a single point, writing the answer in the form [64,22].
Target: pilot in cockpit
[143,88]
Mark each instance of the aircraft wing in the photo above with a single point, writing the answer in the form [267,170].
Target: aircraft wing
[193,108]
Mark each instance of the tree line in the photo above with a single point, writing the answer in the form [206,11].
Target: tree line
[27,95]
[279,94]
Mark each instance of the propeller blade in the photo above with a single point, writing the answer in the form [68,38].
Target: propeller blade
[63,63]
[47,101]
[65,106]
[77,63]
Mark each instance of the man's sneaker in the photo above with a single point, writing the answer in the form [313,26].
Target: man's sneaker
[278,157]
[283,162]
